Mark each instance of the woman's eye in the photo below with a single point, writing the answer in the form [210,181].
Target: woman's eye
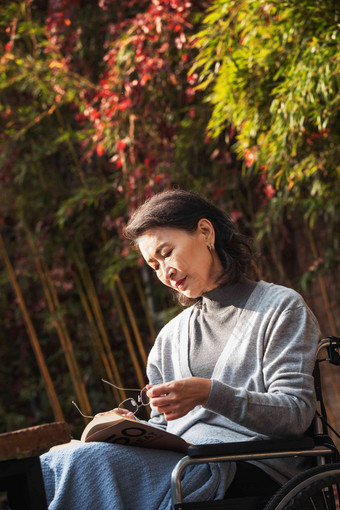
[167,254]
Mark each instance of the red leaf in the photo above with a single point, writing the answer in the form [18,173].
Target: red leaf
[145,78]
[190,93]
[100,149]
[192,78]
[218,192]
[235,215]
[124,105]
[164,47]
[269,191]
[121,144]
[192,113]
[249,157]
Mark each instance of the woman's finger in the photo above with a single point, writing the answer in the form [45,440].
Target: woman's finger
[117,410]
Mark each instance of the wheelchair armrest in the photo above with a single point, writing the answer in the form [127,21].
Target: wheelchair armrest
[244,447]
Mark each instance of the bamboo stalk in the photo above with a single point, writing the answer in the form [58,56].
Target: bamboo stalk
[93,299]
[96,340]
[76,374]
[65,340]
[128,339]
[144,304]
[322,284]
[132,319]
[58,414]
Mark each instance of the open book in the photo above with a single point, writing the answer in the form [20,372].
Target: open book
[113,427]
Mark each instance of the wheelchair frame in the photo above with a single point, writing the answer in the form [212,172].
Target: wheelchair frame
[320,446]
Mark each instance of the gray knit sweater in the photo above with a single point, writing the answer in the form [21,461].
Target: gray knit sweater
[262,384]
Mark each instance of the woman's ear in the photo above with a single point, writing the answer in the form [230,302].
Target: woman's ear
[206,228]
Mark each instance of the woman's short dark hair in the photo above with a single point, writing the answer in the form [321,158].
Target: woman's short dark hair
[183,210]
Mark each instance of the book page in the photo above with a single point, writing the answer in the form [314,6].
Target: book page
[121,430]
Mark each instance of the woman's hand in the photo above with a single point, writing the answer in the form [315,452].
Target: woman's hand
[118,410]
[176,398]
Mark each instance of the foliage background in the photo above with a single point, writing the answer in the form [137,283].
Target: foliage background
[103,104]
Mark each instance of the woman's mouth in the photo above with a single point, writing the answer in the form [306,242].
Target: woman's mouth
[180,283]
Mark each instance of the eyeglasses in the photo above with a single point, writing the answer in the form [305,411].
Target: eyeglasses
[130,404]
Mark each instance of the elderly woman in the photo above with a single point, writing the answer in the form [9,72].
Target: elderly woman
[235,365]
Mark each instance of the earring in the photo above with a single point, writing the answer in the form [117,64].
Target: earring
[211,247]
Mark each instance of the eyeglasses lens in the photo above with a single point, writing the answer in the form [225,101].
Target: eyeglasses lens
[143,399]
[130,405]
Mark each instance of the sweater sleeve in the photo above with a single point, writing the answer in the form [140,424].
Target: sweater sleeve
[154,373]
[286,405]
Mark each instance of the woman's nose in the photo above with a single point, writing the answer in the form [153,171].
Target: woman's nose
[168,271]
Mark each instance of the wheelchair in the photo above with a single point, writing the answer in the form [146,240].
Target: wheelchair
[317,488]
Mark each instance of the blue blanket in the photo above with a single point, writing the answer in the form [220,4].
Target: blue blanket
[102,476]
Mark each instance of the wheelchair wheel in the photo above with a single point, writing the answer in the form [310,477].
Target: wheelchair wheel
[315,489]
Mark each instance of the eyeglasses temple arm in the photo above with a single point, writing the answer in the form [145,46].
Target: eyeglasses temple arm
[84,415]
[118,387]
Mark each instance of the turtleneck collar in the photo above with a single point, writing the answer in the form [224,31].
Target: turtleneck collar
[221,297]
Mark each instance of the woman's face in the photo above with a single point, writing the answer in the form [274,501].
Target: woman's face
[182,260]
